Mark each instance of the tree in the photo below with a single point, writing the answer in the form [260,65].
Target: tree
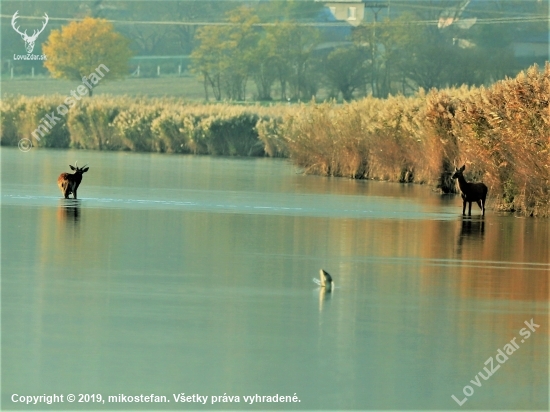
[226,55]
[194,11]
[344,70]
[208,59]
[429,64]
[264,70]
[241,45]
[291,53]
[78,49]
[277,58]
[390,43]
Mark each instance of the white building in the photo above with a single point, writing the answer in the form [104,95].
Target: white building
[351,11]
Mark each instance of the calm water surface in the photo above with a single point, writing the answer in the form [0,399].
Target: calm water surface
[175,274]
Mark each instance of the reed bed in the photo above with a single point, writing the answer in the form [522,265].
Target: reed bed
[370,138]
[501,133]
[165,125]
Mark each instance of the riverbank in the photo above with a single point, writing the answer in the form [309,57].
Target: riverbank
[501,133]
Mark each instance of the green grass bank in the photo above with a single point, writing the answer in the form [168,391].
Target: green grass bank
[501,133]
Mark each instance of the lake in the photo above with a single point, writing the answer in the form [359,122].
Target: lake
[189,277]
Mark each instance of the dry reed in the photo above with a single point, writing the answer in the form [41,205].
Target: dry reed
[502,134]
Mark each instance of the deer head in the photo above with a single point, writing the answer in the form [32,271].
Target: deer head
[458,172]
[79,170]
[29,40]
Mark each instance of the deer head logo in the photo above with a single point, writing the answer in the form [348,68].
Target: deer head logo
[29,40]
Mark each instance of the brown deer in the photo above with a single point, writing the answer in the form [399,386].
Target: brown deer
[68,183]
[471,192]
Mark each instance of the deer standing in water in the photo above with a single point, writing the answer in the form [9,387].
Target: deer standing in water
[68,183]
[471,192]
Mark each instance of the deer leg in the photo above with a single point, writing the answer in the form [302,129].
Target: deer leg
[479,204]
[469,208]
[64,189]
[74,194]
[463,206]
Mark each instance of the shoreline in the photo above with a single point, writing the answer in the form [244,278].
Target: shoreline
[500,133]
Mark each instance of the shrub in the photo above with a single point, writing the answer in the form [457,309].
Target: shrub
[22,116]
[270,132]
[91,126]
[11,110]
[133,125]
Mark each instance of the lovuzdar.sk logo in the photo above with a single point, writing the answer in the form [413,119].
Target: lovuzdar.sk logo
[29,40]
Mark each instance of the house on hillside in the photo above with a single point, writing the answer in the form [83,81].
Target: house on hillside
[535,48]
[350,11]
[353,12]
[333,32]
[339,17]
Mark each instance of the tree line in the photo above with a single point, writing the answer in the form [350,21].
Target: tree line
[275,50]
[290,60]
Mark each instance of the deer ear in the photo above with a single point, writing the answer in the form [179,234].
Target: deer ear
[462,168]
[72,167]
[85,169]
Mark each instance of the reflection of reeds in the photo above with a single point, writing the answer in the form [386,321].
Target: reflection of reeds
[501,132]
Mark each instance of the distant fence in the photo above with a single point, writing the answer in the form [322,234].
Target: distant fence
[156,66]
[139,66]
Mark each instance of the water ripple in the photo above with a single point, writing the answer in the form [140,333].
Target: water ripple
[253,203]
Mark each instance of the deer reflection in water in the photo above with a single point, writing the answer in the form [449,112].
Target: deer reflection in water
[472,231]
[323,297]
[326,286]
[69,210]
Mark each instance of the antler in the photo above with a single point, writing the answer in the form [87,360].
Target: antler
[15,16]
[35,32]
